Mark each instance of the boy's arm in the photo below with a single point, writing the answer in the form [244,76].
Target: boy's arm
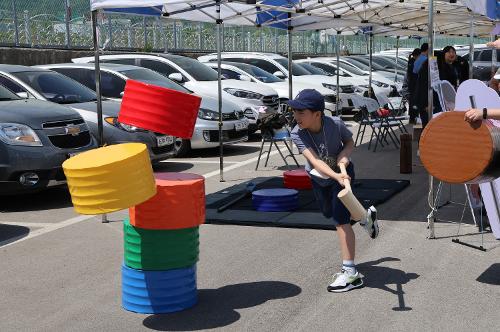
[346,152]
[323,167]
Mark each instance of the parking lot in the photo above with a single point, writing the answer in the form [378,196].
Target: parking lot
[61,272]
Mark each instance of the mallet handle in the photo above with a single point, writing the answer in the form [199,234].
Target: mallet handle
[343,171]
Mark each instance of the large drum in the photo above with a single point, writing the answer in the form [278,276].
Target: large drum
[453,151]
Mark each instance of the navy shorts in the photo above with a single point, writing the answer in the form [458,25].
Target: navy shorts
[329,204]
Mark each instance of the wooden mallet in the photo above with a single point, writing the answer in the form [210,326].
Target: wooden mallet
[358,212]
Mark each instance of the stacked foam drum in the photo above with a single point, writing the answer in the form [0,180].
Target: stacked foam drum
[161,246]
[161,238]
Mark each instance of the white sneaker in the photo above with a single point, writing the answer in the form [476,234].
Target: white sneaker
[370,223]
[343,282]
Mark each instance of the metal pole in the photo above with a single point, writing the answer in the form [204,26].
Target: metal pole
[174,35]
[430,25]
[97,75]
[200,37]
[276,41]
[129,36]
[145,32]
[471,47]
[16,23]
[337,50]
[290,63]
[219,91]
[493,57]
[397,58]
[370,49]
[110,33]
[67,18]
[27,27]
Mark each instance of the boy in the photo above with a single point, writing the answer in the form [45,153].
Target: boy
[326,142]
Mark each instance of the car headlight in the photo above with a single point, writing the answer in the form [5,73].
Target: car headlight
[18,134]
[208,115]
[330,86]
[244,93]
[114,122]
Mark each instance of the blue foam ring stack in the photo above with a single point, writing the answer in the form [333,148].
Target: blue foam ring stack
[157,292]
[275,200]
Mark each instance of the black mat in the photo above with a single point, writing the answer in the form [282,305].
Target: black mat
[368,191]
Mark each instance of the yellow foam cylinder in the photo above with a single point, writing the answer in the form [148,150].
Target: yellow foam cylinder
[110,179]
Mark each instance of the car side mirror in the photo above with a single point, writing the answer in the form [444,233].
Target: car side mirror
[279,74]
[23,95]
[122,93]
[244,78]
[177,77]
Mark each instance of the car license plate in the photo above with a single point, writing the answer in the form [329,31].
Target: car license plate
[242,125]
[165,140]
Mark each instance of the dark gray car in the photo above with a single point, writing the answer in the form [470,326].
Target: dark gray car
[36,137]
[31,82]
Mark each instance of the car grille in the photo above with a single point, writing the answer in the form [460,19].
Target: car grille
[227,135]
[57,133]
[347,88]
[236,115]
[271,101]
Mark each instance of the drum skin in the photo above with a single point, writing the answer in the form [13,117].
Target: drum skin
[454,151]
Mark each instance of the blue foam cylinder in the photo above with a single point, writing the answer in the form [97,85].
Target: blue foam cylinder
[275,200]
[155,292]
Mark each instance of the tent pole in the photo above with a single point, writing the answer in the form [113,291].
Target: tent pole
[471,47]
[397,58]
[290,64]
[219,93]
[97,75]
[431,218]
[337,50]
[370,47]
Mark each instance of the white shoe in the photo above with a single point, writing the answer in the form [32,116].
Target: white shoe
[370,223]
[343,282]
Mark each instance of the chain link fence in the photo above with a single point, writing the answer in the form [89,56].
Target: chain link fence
[67,24]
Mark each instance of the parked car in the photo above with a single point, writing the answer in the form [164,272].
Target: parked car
[482,62]
[43,84]
[360,78]
[382,69]
[277,65]
[36,137]
[245,72]
[256,101]
[113,80]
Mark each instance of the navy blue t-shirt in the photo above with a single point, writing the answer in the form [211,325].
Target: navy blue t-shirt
[329,142]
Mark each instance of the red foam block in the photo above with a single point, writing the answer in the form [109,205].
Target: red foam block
[159,109]
[297,179]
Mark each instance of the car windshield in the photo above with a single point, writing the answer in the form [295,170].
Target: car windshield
[315,70]
[6,94]
[388,63]
[197,70]
[56,87]
[366,63]
[297,70]
[151,76]
[351,69]
[259,74]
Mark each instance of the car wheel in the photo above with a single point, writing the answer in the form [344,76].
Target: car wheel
[182,147]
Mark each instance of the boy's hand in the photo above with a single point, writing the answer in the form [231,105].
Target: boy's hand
[343,160]
[341,177]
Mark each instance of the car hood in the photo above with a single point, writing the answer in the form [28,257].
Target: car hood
[211,104]
[319,79]
[109,107]
[34,113]
[210,87]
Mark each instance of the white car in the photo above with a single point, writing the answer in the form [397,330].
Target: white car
[383,77]
[360,78]
[278,66]
[256,101]
[206,132]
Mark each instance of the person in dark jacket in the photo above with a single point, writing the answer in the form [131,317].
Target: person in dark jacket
[412,83]
[452,68]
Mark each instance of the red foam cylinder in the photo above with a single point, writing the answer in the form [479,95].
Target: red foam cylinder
[159,109]
[297,179]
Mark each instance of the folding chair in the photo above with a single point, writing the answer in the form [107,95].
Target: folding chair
[397,114]
[273,137]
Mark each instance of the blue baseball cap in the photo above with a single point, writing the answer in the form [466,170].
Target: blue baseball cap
[308,99]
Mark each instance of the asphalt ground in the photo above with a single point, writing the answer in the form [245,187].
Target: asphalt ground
[61,272]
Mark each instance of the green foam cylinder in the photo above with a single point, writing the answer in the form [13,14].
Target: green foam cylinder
[160,250]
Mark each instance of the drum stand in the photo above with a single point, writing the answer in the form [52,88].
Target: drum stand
[432,217]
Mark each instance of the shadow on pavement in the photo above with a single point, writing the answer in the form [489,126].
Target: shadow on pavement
[49,199]
[172,166]
[381,277]
[9,233]
[217,307]
[491,276]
